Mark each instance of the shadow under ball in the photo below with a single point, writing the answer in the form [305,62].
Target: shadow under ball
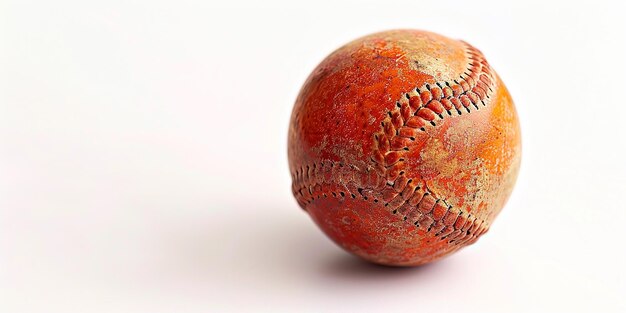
[404,146]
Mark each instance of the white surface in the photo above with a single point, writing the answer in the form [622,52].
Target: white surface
[143,159]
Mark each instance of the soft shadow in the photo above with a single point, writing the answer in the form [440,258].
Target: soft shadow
[268,240]
[270,243]
[348,267]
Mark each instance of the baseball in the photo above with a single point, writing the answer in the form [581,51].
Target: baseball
[404,146]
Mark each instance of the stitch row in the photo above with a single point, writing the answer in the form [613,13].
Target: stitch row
[417,204]
[420,108]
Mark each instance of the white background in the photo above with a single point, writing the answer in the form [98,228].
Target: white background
[143,159]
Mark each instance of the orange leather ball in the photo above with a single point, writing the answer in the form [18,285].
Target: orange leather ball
[404,146]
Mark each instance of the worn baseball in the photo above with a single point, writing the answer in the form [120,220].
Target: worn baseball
[404,146]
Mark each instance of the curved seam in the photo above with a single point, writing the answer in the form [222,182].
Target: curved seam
[416,110]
